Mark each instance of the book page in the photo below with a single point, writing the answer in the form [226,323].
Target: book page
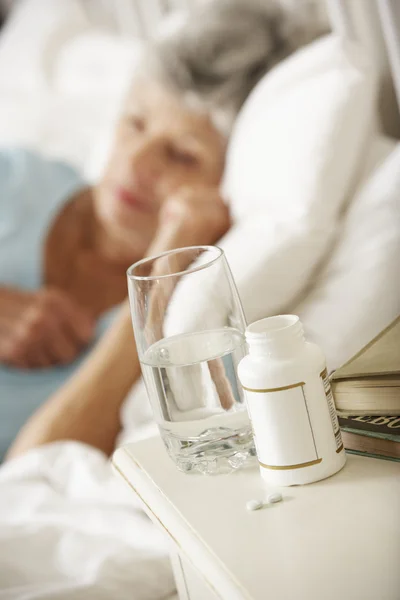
[368,381]
[380,357]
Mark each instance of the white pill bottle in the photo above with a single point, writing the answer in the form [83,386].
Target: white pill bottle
[290,403]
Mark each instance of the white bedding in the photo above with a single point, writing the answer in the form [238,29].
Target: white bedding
[70,529]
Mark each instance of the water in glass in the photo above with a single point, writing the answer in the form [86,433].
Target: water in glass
[202,417]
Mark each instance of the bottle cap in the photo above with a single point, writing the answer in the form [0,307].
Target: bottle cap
[267,333]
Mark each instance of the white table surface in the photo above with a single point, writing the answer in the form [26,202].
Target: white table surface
[332,540]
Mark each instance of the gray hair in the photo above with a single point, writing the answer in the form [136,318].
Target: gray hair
[215,54]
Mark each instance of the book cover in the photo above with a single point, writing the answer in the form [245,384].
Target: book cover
[372,435]
[386,427]
[369,455]
[381,356]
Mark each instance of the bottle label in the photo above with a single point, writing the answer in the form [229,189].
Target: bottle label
[282,427]
[332,411]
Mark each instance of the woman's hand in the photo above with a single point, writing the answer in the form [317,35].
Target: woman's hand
[191,217]
[40,329]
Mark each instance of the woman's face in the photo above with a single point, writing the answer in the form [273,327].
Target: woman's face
[160,146]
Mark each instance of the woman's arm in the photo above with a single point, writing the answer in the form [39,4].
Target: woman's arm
[87,407]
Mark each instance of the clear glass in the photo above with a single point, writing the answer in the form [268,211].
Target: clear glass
[189,328]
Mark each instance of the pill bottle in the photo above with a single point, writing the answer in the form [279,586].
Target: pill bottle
[288,396]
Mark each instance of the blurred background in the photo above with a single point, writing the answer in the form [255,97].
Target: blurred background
[312,173]
[65,65]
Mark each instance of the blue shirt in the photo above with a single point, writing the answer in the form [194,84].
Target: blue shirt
[33,190]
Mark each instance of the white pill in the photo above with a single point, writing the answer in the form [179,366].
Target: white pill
[272,498]
[254,504]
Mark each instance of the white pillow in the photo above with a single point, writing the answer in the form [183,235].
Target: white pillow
[96,64]
[293,158]
[31,39]
[300,135]
[358,291]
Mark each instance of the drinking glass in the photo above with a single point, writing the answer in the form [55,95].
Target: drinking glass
[189,329]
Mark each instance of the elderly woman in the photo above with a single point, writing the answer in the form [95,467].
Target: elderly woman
[66,247]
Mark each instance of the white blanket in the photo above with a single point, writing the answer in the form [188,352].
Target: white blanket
[69,529]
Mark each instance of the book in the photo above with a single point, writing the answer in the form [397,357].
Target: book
[373,435]
[369,455]
[369,383]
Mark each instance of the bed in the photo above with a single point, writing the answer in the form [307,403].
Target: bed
[64,69]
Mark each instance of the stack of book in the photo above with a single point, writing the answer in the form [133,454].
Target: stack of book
[367,397]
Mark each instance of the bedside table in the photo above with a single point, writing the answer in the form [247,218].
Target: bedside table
[338,539]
